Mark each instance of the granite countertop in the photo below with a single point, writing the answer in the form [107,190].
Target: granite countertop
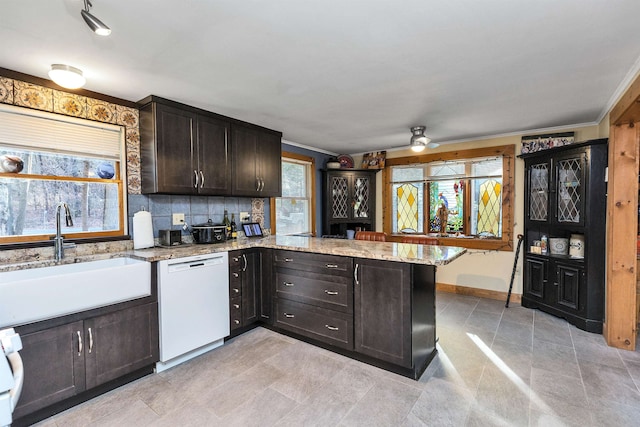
[402,252]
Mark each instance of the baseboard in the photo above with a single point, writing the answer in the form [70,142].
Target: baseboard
[476,292]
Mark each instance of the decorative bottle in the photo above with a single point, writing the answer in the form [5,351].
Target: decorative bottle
[234,227]
[227,225]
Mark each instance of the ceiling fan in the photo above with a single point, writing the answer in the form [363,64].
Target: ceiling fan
[419,141]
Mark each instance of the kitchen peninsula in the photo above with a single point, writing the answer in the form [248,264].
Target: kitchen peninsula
[372,301]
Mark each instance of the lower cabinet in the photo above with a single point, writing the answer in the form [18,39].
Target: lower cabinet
[244,280]
[62,361]
[383,310]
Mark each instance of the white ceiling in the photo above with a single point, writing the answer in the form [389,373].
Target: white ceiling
[347,76]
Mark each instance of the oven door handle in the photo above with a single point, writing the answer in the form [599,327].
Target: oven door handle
[18,377]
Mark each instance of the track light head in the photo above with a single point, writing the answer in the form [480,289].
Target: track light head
[96,25]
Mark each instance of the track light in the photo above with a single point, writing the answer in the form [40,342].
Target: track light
[419,141]
[67,76]
[96,25]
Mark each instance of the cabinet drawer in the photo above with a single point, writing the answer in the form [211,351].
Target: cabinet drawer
[235,312]
[324,325]
[318,263]
[322,290]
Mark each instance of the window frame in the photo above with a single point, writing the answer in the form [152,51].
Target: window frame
[312,185]
[507,152]
[119,179]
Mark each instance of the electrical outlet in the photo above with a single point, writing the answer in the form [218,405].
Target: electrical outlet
[245,217]
[178,218]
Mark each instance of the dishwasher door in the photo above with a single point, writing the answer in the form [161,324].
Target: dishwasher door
[193,300]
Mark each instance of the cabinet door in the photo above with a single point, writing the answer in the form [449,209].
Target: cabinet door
[121,342]
[250,282]
[54,368]
[570,185]
[245,175]
[270,164]
[569,286]
[535,277]
[176,169]
[338,196]
[361,196]
[214,157]
[538,194]
[382,310]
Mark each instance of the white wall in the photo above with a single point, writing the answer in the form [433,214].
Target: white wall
[489,270]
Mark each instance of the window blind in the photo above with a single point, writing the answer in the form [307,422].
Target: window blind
[59,134]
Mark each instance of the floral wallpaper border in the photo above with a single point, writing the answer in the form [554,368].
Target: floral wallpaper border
[23,94]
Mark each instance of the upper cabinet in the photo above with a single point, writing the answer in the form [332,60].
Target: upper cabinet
[350,200]
[186,150]
[257,162]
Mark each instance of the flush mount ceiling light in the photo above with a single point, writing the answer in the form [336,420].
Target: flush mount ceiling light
[96,25]
[67,76]
[419,141]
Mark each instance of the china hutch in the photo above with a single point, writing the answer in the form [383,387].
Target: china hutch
[565,198]
[349,200]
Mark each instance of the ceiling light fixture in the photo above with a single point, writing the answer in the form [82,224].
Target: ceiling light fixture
[419,141]
[67,76]
[96,25]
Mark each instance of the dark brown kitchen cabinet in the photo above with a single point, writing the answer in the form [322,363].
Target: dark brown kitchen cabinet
[349,200]
[244,279]
[55,367]
[257,162]
[183,152]
[565,197]
[62,361]
[383,310]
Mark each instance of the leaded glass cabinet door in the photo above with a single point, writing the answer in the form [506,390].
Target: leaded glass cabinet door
[339,188]
[570,190]
[361,197]
[539,192]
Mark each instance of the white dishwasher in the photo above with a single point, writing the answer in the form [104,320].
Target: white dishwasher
[193,301]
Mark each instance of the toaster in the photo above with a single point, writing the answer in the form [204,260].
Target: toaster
[170,237]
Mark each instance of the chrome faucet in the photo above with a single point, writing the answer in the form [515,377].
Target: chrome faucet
[58,241]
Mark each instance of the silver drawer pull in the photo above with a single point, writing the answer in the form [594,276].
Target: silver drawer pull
[236,275]
[236,321]
[288,259]
[79,343]
[236,305]
[236,259]
[332,265]
[90,340]
[288,284]
[331,328]
[328,292]
[290,316]
[236,290]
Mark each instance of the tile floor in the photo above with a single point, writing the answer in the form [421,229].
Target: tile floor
[495,367]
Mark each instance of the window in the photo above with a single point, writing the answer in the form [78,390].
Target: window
[69,160]
[464,197]
[294,212]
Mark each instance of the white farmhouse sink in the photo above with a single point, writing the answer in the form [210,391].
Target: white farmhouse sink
[43,293]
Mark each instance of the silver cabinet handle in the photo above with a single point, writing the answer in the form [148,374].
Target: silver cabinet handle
[236,275]
[236,305]
[332,265]
[244,258]
[90,340]
[355,274]
[328,292]
[79,343]
[288,259]
[236,258]
[257,184]
[236,321]
[331,328]
[236,290]
[201,179]
[288,284]
[262,187]
[195,172]
[290,316]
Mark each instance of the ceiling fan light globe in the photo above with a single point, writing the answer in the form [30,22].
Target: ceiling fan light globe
[417,147]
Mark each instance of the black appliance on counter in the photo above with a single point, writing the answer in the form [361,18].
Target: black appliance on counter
[209,233]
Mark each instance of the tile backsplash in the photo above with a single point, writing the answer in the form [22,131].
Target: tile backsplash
[196,210]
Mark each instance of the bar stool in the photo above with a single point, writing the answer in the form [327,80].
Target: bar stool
[375,236]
